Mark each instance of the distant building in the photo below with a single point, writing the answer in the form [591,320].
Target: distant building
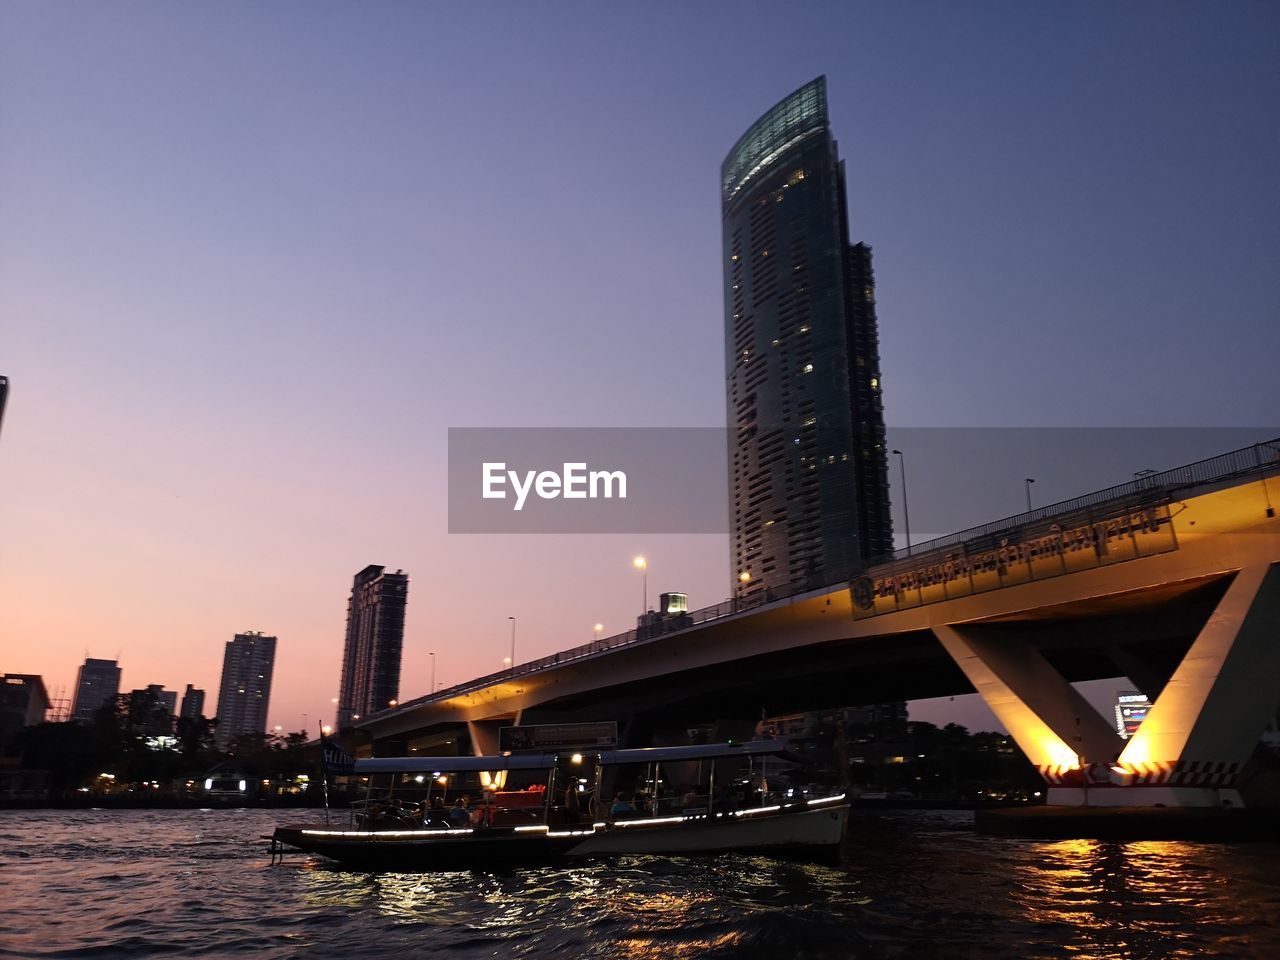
[23,702]
[245,691]
[192,703]
[808,469]
[672,614]
[375,639]
[97,682]
[151,710]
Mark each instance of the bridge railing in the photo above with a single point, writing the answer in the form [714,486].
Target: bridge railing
[1161,487]
[1236,465]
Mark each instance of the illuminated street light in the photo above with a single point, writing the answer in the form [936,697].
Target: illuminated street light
[641,564]
[596,630]
[326,729]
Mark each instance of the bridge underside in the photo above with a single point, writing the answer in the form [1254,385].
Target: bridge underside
[1143,635]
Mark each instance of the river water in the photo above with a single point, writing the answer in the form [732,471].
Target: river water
[198,884]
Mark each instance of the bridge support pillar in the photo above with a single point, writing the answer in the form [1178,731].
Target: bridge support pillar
[1197,736]
[1047,717]
[484,742]
[1204,726]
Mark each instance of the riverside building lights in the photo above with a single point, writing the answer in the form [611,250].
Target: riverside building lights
[575,482]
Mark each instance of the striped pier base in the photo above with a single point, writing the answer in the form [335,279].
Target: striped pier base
[1155,773]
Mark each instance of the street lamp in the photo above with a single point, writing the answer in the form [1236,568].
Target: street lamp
[743,579]
[1030,481]
[906,516]
[432,655]
[513,643]
[597,629]
[641,564]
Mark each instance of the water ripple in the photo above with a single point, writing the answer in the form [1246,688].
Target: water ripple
[124,884]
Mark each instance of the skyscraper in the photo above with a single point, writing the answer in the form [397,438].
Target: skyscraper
[192,703]
[96,682]
[245,691]
[375,638]
[808,470]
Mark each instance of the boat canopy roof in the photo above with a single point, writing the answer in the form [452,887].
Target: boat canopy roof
[544,761]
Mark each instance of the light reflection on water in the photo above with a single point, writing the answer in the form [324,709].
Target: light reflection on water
[127,884]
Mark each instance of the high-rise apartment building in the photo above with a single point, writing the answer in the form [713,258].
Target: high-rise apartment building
[245,691]
[192,703]
[808,469]
[97,682]
[375,639]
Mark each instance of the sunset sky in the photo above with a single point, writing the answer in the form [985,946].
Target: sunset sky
[256,259]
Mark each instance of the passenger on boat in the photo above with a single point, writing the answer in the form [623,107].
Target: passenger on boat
[571,807]
[622,808]
[397,815]
[460,815]
[436,815]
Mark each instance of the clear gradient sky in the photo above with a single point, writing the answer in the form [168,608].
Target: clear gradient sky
[255,259]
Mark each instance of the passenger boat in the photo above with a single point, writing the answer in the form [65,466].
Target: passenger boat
[511,829]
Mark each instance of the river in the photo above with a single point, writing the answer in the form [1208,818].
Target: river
[152,883]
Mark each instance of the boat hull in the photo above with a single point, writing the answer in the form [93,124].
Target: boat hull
[803,832]
[423,850]
[792,831]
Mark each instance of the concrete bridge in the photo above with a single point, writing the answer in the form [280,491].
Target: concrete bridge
[1172,580]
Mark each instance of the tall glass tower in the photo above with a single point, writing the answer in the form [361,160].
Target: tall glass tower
[808,470]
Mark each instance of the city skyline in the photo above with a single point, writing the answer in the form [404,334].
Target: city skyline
[211,271]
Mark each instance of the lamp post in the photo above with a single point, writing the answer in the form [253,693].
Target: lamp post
[642,565]
[1030,481]
[513,643]
[743,579]
[596,631]
[432,655]
[906,515]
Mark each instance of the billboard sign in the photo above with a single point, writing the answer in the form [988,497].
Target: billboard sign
[1131,710]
